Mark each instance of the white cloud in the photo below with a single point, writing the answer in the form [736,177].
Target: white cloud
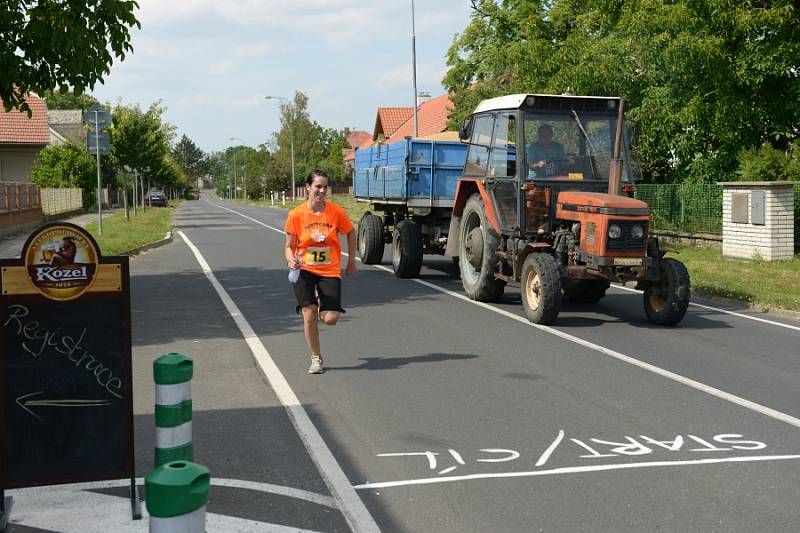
[224,67]
[428,77]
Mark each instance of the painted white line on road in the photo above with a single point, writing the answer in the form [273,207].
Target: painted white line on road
[762,409]
[550,449]
[351,506]
[725,311]
[572,470]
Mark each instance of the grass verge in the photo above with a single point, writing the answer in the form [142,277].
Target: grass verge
[768,284]
[120,235]
[355,210]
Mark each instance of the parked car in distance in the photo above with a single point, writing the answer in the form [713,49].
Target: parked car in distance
[156,199]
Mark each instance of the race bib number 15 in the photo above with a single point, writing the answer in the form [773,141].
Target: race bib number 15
[318,255]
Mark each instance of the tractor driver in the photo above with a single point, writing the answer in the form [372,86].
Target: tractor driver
[543,151]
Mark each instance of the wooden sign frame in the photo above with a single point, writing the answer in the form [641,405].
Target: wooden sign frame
[62,272]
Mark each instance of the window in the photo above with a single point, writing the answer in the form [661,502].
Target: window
[504,150]
[478,154]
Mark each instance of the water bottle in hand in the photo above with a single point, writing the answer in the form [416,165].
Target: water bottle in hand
[294,273]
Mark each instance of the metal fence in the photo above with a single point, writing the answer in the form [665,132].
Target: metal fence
[694,207]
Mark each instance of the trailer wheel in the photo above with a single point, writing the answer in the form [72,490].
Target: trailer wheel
[370,239]
[587,291]
[407,249]
[477,246]
[666,301]
[541,288]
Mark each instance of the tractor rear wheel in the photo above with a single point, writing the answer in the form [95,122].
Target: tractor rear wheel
[370,239]
[666,300]
[407,249]
[541,288]
[477,244]
[587,291]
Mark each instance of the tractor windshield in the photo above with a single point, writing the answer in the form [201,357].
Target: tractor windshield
[570,147]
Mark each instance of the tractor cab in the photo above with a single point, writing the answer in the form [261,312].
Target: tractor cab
[542,145]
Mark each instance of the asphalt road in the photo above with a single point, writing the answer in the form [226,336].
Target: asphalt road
[440,414]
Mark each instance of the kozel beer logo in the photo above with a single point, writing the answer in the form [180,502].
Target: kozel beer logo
[61,262]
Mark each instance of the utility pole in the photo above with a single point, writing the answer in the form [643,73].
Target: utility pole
[414,67]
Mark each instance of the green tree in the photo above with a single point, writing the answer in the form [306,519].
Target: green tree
[308,146]
[65,166]
[66,44]
[69,100]
[703,78]
[190,158]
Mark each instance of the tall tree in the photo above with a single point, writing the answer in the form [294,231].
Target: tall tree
[67,44]
[703,78]
[189,157]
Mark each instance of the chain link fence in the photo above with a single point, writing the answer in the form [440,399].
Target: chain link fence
[694,207]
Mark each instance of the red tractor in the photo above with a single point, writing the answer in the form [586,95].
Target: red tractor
[540,202]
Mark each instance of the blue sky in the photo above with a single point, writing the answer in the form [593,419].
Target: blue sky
[212,62]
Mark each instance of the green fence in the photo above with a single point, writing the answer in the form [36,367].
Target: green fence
[686,207]
[694,207]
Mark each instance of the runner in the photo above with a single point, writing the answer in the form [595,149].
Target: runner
[312,246]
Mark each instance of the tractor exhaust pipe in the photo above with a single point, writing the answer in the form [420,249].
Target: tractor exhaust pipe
[615,168]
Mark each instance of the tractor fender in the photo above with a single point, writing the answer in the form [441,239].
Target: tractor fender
[467,187]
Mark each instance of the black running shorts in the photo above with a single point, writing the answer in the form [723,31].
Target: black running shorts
[329,291]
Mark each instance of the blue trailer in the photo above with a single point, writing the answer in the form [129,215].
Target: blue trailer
[410,186]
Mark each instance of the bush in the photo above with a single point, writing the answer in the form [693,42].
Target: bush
[65,165]
[768,164]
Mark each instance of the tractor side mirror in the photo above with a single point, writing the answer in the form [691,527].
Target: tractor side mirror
[465,131]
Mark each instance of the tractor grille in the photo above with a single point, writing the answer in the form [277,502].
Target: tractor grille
[627,242]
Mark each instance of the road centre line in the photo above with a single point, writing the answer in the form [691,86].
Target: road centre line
[351,506]
[630,289]
[572,470]
[753,406]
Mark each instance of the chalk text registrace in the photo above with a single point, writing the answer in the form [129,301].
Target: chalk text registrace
[37,339]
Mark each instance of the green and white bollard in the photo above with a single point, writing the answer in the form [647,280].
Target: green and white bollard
[176,497]
[173,376]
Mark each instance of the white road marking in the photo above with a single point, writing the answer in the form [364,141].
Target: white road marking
[74,509]
[727,312]
[762,409]
[351,507]
[550,449]
[572,470]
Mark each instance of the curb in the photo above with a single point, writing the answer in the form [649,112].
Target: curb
[168,237]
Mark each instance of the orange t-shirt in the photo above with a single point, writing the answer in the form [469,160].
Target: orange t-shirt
[318,237]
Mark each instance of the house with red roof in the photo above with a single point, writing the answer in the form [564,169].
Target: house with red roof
[21,139]
[431,122]
[355,140]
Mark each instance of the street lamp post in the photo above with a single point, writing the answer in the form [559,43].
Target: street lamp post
[244,177]
[291,131]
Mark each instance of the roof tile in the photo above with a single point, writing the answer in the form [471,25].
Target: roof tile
[431,118]
[17,128]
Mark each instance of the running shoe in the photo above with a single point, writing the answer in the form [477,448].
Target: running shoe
[316,365]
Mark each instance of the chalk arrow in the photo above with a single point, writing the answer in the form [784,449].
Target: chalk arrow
[23,402]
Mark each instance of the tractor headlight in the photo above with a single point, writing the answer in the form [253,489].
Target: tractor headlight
[637,231]
[614,232]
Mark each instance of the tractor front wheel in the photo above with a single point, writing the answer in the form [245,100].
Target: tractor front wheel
[541,288]
[666,300]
